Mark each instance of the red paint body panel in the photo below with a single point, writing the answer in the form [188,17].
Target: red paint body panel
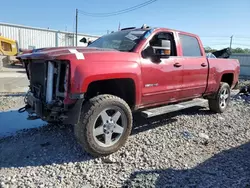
[194,77]
[167,77]
[155,84]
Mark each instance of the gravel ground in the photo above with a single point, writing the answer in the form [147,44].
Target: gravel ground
[11,101]
[244,82]
[191,148]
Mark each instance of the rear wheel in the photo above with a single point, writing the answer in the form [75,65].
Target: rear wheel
[105,124]
[222,99]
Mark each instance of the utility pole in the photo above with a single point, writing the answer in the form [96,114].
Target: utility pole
[119,26]
[76,24]
[231,40]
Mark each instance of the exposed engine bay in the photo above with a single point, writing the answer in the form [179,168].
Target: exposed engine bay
[49,82]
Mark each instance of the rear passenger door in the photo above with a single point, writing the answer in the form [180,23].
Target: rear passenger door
[195,67]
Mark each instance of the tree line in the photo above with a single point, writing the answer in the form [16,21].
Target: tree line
[233,50]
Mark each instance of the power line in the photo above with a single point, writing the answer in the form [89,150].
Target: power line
[236,36]
[214,36]
[218,44]
[118,12]
[233,44]
[238,44]
[111,13]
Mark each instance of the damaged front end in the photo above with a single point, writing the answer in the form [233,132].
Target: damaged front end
[48,97]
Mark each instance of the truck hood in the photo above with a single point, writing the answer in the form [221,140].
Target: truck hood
[63,53]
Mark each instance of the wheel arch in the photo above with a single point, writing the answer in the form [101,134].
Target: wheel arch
[124,87]
[227,77]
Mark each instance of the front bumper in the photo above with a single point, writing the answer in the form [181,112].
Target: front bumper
[66,114]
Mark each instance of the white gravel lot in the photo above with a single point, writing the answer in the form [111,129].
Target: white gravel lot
[191,148]
[11,101]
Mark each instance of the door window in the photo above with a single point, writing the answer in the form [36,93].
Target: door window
[156,41]
[190,46]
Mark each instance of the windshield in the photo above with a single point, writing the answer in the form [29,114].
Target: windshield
[123,40]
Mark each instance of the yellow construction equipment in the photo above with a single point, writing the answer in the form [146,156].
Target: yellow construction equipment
[8,47]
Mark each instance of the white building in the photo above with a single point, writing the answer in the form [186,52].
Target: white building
[32,37]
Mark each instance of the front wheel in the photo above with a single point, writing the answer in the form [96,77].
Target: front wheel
[222,99]
[105,124]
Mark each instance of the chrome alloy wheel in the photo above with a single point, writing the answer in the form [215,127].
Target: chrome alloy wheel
[109,126]
[224,97]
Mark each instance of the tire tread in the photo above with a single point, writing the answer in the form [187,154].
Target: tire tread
[213,103]
[87,116]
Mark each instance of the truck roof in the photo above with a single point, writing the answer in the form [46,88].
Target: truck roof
[156,28]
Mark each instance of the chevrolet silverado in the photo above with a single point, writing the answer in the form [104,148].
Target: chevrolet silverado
[149,70]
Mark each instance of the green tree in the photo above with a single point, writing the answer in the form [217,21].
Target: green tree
[238,50]
[209,49]
[233,50]
[247,50]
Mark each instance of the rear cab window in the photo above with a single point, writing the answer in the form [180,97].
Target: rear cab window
[190,46]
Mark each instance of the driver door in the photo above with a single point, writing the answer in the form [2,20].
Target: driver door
[162,81]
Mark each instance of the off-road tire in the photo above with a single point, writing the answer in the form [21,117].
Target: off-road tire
[214,104]
[90,111]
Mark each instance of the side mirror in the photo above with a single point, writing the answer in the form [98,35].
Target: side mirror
[163,50]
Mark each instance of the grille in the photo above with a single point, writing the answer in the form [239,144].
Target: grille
[38,78]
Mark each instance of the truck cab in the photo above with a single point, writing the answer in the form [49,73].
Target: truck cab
[180,75]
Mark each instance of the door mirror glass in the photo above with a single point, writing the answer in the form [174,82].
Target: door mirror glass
[161,49]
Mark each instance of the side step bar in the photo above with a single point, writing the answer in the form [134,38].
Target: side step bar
[172,108]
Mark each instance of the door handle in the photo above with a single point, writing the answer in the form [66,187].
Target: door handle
[177,65]
[203,64]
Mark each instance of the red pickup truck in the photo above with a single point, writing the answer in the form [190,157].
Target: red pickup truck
[150,70]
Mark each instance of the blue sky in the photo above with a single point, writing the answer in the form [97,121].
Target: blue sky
[214,21]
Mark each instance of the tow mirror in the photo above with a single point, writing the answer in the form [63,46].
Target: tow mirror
[163,50]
